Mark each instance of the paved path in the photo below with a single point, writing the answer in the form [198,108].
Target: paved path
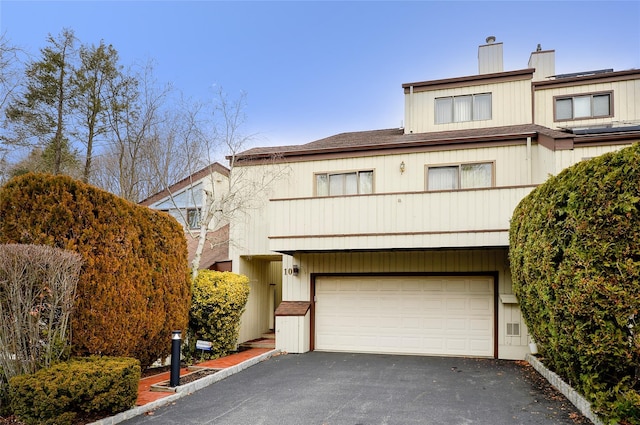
[350,389]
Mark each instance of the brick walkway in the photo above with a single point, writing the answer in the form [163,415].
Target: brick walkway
[145,395]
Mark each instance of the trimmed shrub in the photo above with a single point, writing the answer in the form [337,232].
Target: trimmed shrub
[65,392]
[37,289]
[134,287]
[218,301]
[575,261]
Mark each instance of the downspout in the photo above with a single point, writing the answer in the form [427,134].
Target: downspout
[529,167]
[411,109]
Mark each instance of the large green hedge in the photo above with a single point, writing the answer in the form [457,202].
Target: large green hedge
[134,287]
[575,261]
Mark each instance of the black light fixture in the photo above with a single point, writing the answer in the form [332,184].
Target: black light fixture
[296,270]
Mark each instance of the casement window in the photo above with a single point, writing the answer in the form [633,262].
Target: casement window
[473,107]
[193,218]
[460,176]
[583,106]
[351,183]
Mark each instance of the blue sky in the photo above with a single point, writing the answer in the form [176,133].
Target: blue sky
[314,69]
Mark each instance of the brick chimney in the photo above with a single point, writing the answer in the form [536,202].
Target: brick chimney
[490,57]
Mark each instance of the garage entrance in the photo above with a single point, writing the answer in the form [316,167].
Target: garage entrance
[427,315]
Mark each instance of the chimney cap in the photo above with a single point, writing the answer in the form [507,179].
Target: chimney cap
[491,39]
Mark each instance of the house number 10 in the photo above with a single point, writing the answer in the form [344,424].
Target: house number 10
[288,272]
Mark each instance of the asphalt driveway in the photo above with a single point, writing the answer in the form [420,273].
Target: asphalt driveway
[335,389]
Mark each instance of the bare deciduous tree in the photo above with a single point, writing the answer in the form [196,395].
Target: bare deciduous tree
[134,117]
[11,61]
[218,205]
[98,69]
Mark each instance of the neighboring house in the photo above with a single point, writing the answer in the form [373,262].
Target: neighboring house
[396,241]
[184,201]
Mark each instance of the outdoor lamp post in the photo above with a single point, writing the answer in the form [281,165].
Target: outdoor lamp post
[176,340]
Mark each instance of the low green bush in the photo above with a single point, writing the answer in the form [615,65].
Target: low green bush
[575,262]
[92,386]
[218,300]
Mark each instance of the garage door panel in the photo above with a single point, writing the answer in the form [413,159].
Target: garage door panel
[455,286]
[432,285]
[480,325]
[479,346]
[456,305]
[479,305]
[433,324]
[456,345]
[432,305]
[411,324]
[406,286]
[421,315]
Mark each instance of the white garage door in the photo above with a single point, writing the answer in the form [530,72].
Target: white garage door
[408,315]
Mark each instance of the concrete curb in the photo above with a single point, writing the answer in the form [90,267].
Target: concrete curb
[184,390]
[572,395]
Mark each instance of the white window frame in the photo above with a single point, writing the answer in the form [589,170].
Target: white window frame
[576,97]
[361,188]
[458,113]
[459,178]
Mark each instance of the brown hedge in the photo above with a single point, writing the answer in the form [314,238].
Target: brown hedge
[134,287]
[575,260]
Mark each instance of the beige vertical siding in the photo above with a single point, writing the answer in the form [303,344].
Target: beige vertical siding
[551,163]
[258,315]
[510,103]
[476,261]
[292,333]
[626,103]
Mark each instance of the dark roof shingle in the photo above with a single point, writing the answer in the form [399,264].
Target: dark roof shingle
[395,138]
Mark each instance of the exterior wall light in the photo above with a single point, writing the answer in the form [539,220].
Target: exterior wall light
[402,167]
[296,270]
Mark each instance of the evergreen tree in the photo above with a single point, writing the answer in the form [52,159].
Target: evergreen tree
[42,114]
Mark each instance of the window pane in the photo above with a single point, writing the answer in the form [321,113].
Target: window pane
[601,105]
[462,108]
[351,184]
[482,107]
[442,178]
[475,175]
[444,110]
[581,106]
[193,218]
[336,184]
[563,109]
[366,181]
[322,185]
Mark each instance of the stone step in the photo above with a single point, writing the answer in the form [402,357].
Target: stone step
[260,343]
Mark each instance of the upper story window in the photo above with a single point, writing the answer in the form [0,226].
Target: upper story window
[473,107]
[193,218]
[460,176]
[583,106]
[351,183]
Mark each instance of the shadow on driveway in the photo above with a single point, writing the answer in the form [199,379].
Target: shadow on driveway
[351,389]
